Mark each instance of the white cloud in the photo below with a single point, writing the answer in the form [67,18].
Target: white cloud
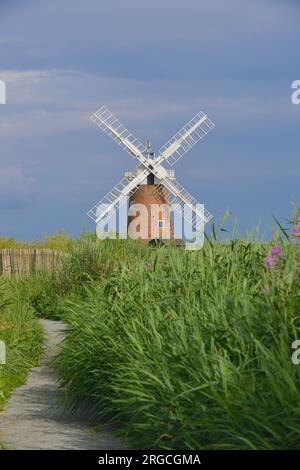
[41,103]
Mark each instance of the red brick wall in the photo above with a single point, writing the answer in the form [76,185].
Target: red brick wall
[153,202]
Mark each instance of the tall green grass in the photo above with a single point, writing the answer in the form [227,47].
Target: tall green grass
[87,262]
[22,336]
[186,350]
[181,349]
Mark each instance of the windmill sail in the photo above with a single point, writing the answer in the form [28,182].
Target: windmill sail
[184,202]
[104,119]
[105,208]
[185,139]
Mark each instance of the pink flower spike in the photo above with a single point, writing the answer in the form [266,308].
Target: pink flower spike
[296,231]
[269,262]
[276,251]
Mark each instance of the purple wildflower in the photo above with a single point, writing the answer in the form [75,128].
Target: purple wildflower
[276,251]
[296,231]
[269,262]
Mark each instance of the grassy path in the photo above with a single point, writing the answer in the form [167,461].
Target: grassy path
[33,418]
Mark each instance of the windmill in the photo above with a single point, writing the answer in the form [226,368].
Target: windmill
[150,183]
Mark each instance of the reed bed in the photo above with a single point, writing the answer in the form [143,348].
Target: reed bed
[185,350]
[181,350]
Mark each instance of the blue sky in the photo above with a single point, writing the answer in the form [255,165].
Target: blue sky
[154,64]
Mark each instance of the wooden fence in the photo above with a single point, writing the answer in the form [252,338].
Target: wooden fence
[19,262]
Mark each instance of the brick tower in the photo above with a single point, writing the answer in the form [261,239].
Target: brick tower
[149,213]
[149,216]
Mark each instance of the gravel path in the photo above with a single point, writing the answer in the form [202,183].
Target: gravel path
[33,418]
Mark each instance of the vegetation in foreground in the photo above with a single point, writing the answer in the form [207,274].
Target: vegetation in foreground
[184,350]
[190,350]
[22,335]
